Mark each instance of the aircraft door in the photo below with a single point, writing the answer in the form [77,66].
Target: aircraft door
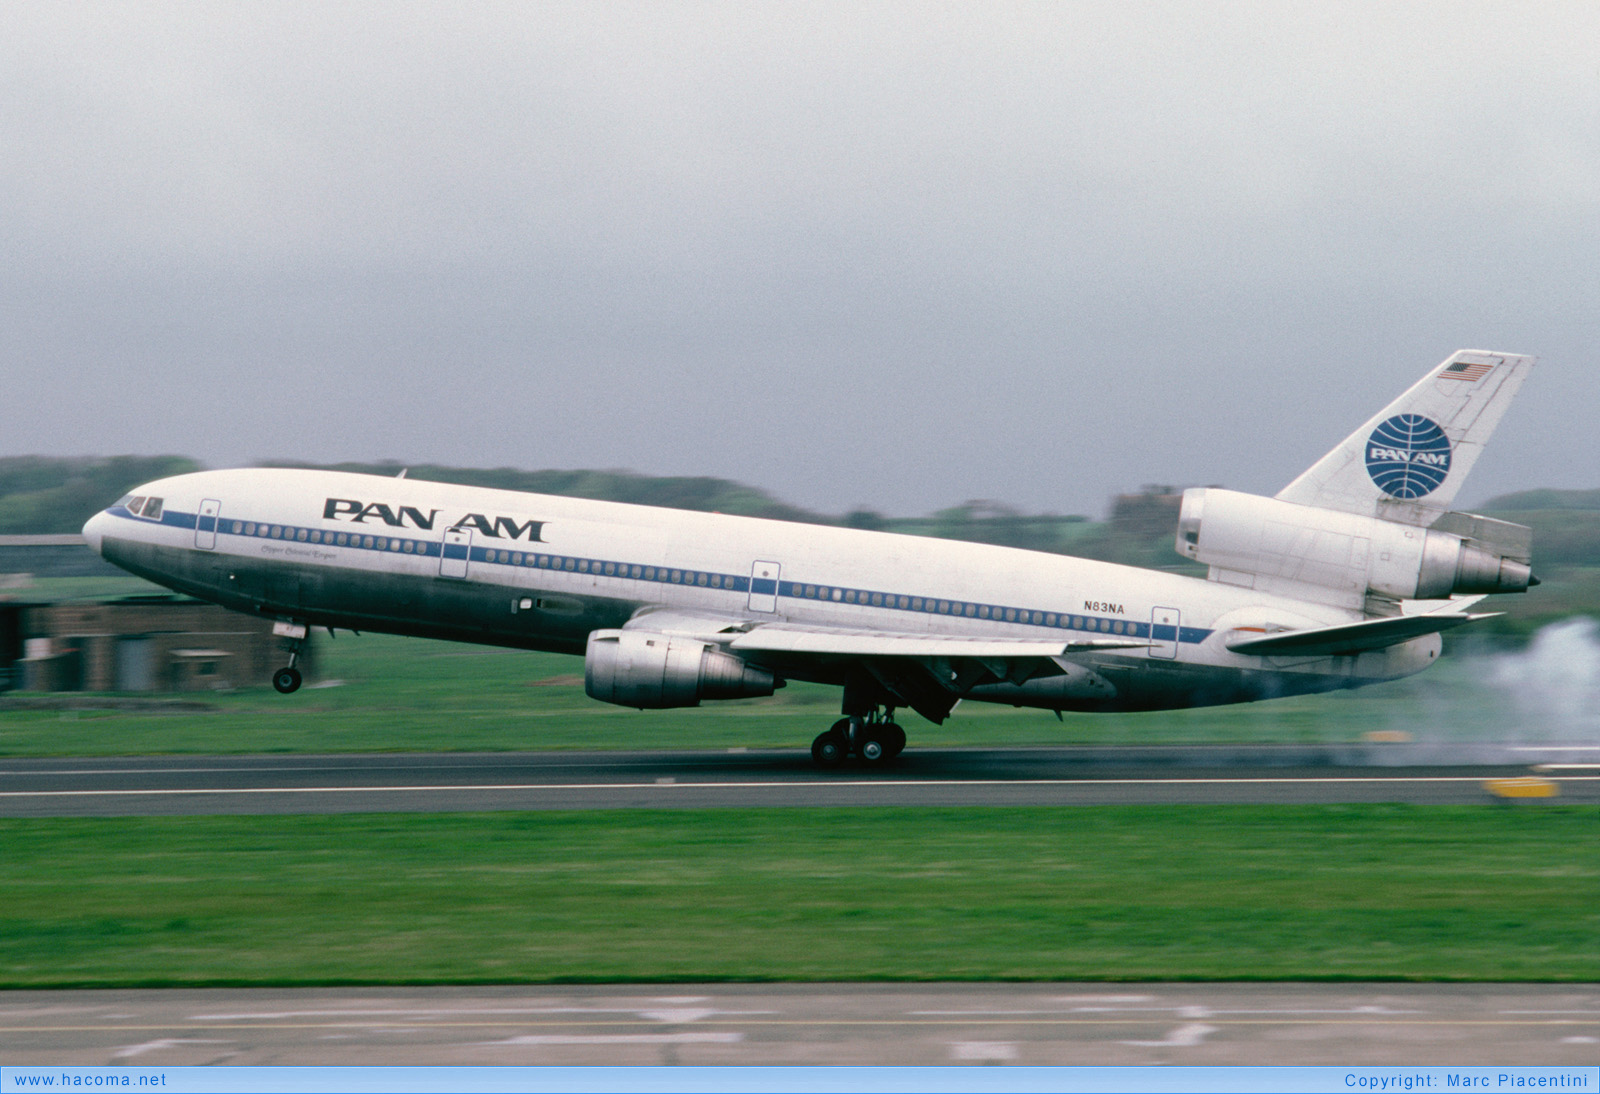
[456,552]
[1164,624]
[764,586]
[205,525]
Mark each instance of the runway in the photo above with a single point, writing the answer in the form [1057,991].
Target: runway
[476,782]
[1039,1024]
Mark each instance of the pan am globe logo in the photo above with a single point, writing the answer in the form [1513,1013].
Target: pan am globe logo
[1408,456]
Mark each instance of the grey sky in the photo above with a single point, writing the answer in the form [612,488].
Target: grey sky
[887,255]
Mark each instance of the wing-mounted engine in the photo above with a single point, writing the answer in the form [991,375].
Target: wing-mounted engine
[651,670]
[1346,558]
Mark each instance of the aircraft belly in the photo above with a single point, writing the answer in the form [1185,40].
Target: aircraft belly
[1129,687]
[421,606]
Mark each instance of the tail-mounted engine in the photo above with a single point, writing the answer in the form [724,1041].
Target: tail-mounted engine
[648,670]
[1266,543]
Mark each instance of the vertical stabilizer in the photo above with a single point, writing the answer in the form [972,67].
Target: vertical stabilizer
[1408,461]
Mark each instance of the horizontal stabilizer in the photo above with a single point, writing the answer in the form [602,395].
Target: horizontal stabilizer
[1349,638]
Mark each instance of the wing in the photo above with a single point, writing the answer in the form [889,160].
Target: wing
[839,641]
[927,672]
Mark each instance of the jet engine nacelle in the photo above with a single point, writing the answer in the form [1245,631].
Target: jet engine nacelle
[1243,536]
[653,671]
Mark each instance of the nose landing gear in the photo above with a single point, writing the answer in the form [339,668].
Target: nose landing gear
[873,738]
[288,679]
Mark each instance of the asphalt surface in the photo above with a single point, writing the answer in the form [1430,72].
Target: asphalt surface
[451,782]
[1307,1024]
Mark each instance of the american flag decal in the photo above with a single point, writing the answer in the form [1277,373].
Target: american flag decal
[1465,370]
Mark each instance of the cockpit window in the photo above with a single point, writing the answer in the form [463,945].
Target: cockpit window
[135,505]
[152,509]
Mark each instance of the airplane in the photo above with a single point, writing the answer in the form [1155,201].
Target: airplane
[1346,577]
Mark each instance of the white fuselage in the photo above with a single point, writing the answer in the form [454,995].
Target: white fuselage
[541,572]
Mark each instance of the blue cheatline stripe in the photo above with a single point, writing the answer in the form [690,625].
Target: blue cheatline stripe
[1091,623]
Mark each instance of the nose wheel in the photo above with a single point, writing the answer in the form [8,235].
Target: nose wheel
[286,679]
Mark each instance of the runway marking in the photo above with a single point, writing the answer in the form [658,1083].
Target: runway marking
[780,1023]
[165,1042]
[648,1010]
[760,785]
[1183,1037]
[983,1050]
[1185,1010]
[1555,748]
[621,1039]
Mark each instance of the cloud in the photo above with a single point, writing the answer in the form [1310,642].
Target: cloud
[895,254]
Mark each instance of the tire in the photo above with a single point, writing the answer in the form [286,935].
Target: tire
[829,749]
[286,679]
[894,738]
[872,747]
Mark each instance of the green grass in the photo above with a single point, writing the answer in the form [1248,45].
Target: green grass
[1204,892]
[414,695]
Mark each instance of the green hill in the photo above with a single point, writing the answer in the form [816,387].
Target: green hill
[41,495]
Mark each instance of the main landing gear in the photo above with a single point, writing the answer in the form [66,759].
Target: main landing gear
[287,679]
[873,738]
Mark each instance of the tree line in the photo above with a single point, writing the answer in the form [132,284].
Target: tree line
[42,494]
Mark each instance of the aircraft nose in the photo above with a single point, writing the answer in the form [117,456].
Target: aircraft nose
[94,531]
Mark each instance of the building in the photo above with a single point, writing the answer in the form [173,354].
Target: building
[136,643]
